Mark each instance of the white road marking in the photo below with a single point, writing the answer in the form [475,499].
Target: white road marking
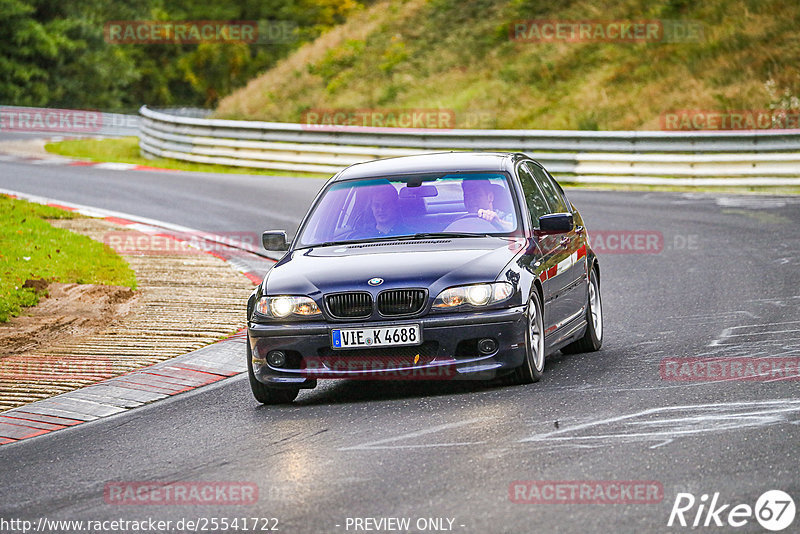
[678,421]
[759,329]
[112,166]
[768,332]
[725,334]
[713,316]
[753,202]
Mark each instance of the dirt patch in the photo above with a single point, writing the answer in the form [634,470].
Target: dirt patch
[82,334]
[68,311]
[38,285]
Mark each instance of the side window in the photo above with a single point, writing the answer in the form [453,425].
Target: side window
[551,192]
[537,205]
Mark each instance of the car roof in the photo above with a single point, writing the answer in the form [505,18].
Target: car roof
[430,163]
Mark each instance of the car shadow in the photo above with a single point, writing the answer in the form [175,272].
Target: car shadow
[344,391]
[352,391]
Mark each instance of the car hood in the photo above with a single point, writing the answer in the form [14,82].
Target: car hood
[431,264]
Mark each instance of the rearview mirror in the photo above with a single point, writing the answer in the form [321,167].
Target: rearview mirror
[555,223]
[420,191]
[274,240]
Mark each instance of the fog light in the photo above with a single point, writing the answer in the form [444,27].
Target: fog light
[487,346]
[276,358]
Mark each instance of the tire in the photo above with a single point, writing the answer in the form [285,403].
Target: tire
[265,394]
[592,340]
[532,368]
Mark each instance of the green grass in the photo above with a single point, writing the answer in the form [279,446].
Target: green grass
[30,248]
[126,150]
[458,55]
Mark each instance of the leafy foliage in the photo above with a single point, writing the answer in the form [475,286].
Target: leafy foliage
[461,56]
[54,53]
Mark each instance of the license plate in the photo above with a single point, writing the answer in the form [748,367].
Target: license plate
[383,336]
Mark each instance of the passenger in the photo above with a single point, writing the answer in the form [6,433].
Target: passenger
[479,201]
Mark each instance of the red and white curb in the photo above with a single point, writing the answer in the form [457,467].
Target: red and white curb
[71,162]
[190,371]
[198,368]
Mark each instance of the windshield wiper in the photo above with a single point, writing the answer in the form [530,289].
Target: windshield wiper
[351,241]
[427,235]
[420,235]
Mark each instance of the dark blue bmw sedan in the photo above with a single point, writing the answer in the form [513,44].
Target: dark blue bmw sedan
[440,266]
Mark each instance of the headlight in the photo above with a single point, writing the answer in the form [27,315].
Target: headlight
[283,306]
[476,295]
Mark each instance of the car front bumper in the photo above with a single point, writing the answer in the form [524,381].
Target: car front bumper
[448,350]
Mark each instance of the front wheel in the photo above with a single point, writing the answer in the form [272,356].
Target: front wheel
[265,394]
[532,368]
[592,340]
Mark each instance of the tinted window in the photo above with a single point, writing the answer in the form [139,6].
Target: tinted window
[533,195]
[551,192]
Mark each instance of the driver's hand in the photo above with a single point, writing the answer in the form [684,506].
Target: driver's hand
[488,215]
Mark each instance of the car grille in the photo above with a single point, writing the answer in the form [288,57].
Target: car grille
[349,305]
[396,302]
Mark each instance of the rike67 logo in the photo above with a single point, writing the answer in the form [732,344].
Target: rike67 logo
[774,510]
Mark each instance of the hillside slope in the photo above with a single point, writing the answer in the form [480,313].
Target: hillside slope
[458,55]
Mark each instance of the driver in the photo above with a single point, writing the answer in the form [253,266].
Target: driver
[385,208]
[479,201]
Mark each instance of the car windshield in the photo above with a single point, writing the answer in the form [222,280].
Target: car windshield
[458,204]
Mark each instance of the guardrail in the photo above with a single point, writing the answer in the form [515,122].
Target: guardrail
[766,157]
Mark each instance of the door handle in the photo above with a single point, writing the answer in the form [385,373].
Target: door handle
[579,229]
[565,241]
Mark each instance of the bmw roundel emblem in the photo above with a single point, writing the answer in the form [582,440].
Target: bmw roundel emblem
[375,281]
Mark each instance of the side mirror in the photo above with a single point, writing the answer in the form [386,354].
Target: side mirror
[555,223]
[274,240]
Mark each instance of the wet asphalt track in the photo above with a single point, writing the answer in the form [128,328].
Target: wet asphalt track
[726,284]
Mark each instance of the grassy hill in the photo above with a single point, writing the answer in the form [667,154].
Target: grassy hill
[458,55]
